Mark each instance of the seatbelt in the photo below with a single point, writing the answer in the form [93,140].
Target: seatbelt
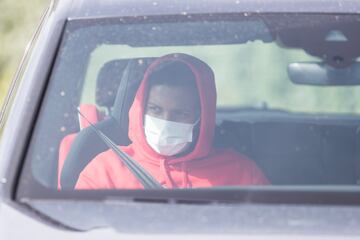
[139,172]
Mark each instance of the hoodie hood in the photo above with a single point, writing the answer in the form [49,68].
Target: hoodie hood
[205,82]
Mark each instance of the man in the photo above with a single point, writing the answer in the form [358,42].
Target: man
[172,124]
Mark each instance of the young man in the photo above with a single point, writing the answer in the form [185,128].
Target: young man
[172,124]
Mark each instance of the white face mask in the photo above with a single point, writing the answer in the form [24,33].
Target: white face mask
[166,137]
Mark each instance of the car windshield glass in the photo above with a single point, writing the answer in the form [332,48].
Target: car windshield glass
[199,101]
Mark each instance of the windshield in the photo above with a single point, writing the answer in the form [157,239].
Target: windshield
[201,101]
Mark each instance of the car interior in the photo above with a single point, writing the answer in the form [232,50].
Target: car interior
[290,147]
[307,150]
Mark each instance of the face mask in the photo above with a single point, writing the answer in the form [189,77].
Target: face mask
[166,137]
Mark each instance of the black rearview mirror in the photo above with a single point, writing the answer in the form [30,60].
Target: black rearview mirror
[316,73]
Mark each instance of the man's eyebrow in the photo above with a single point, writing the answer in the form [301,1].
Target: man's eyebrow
[185,109]
[152,103]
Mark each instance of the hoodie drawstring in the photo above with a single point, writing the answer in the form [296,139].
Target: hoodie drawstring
[169,181]
[165,170]
[186,182]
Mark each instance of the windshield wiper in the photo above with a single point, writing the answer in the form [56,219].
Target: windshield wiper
[139,172]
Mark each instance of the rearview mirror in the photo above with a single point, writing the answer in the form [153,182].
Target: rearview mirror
[316,73]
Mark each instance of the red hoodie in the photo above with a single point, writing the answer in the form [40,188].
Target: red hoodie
[204,166]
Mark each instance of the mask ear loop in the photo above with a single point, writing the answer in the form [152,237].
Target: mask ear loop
[196,122]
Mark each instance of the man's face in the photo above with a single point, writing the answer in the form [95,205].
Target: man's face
[173,103]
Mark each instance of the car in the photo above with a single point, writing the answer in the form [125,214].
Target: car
[284,129]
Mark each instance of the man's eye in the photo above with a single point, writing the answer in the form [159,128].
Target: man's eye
[154,109]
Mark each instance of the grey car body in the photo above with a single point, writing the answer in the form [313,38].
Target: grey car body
[258,212]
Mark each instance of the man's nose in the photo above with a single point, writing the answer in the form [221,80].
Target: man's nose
[168,116]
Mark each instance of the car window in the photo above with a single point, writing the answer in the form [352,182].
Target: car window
[201,101]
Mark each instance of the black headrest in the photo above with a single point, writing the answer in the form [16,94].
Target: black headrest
[108,81]
[132,76]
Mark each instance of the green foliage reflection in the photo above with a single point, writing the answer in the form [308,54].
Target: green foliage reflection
[18,20]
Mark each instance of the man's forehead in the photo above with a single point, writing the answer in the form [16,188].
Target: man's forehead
[175,95]
[174,90]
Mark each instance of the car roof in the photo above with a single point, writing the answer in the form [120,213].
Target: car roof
[122,8]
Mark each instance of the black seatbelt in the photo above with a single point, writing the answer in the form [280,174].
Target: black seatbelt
[139,172]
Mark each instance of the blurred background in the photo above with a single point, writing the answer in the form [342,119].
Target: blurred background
[262,67]
[18,21]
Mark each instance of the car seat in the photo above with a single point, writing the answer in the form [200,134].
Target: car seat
[92,116]
[107,83]
[87,143]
